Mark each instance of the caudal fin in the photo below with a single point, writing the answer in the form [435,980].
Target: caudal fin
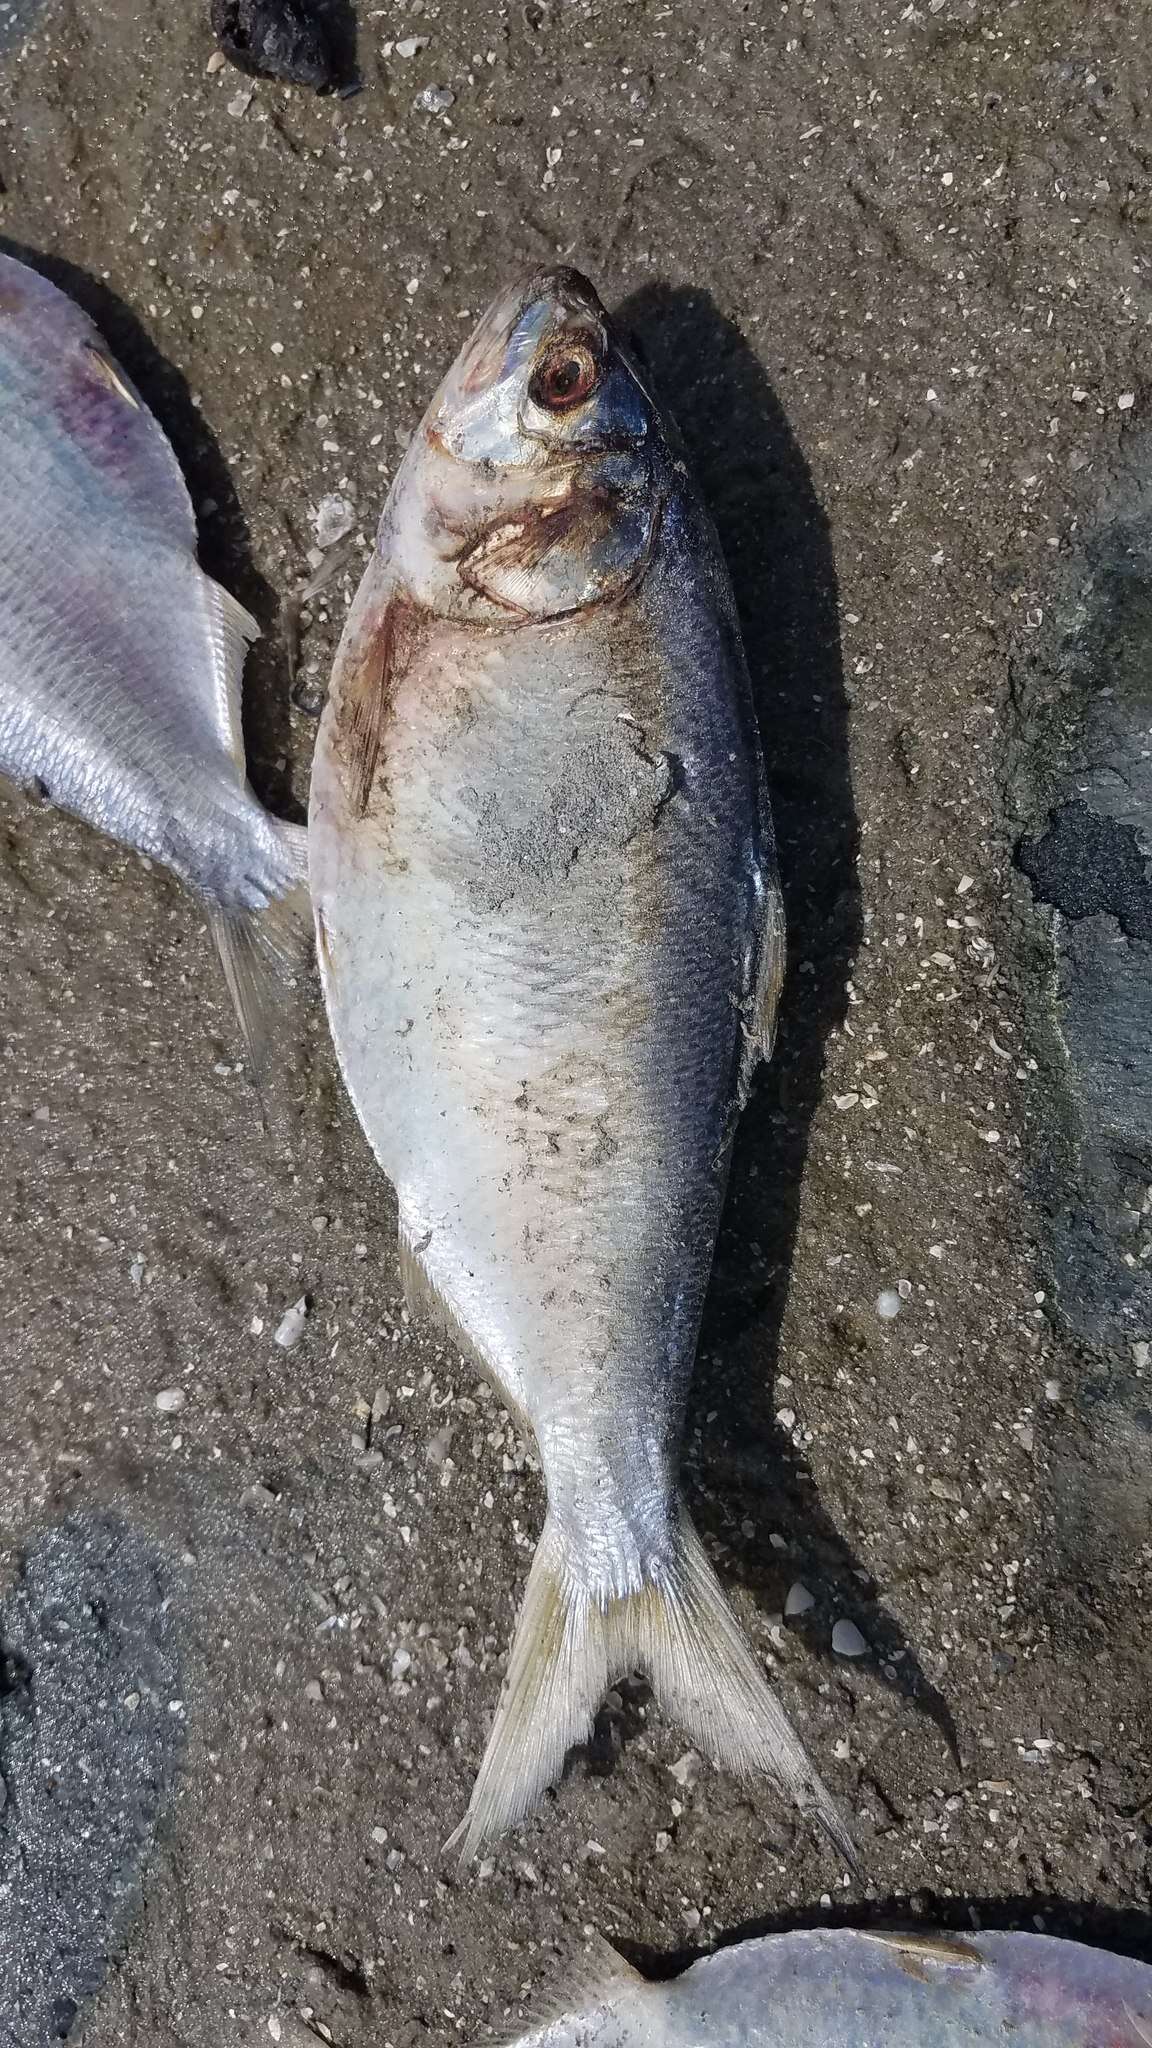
[261,953]
[571,1645]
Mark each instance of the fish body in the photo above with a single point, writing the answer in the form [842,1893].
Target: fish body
[843,1989]
[120,661]
[550,935]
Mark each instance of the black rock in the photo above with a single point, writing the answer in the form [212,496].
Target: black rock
[283,39]
[1091,860]
[89,1747]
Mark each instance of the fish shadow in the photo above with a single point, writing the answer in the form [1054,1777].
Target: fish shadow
[745,1478]
[1123,1930]
[225,548]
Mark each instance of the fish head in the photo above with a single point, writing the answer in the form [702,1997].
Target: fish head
[541,466]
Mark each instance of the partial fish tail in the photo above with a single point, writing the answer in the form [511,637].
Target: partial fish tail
[570,1646]
[263,951]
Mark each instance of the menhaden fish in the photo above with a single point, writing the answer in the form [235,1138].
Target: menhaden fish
[551,941]
[842,1989]
[120,661]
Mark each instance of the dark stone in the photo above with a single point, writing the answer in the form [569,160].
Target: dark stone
[88,1751]
[286,40]
[1086,864]
[1092,862]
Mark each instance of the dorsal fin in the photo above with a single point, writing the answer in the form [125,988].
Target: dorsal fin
[594,1978]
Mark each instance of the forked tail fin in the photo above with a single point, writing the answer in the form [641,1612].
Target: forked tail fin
[571,1645]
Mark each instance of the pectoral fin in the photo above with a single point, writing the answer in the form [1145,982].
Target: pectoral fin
[769,956]
[377,649]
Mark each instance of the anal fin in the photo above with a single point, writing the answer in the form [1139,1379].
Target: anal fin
[426,1303]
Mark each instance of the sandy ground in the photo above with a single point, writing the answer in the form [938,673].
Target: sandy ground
[890,267]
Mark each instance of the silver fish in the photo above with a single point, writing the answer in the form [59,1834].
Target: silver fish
[551,942]
[120,661]
[842,1989]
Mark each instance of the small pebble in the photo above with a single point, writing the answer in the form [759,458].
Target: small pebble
[847,1640]
[945,1489]
[888,1304]
[290,1328]
[258,1497]
[240,102]
[401,1662]
[411,46]
[799,1600]
[1126,401]
[171,1400]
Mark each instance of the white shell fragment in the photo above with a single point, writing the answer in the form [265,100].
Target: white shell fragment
[435,99]
[799,1600]
[847,1640]
[290,1328]
[334,517]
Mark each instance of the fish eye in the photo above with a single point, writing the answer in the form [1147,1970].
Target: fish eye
[567,374]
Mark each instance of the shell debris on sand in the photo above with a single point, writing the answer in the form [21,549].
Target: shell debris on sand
[847,1640]
[333,518]
[799,1600]
[290,1328]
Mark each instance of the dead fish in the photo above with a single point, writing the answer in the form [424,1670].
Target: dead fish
[551,942]
[842,1989]
[120,661]
[281,39]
